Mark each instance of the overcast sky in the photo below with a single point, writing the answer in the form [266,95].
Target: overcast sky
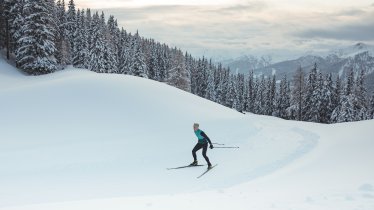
[223,28]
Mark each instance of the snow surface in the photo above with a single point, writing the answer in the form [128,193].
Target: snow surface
[80,140]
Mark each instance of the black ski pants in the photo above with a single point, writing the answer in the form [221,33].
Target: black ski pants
[198,147]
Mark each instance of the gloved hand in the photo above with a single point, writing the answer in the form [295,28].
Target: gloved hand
[211,146]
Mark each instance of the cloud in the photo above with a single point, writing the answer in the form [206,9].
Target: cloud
[253,27]
[351,12]
[362,30]
[255,6]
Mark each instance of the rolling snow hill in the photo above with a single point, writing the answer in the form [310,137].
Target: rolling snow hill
[80,140]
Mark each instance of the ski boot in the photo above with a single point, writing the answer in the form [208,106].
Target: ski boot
[194,163]
[209,166]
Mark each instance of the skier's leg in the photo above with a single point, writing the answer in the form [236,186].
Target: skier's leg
[195,149]
[205,148]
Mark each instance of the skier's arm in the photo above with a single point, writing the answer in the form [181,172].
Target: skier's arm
[205,136]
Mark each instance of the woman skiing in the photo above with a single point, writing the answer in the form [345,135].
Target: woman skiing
[203,141]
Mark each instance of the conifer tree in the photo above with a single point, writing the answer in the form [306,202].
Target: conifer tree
[210,93]
[63,54]
[15,13]
[298,93]
[138,65]
[109,54]
[240,92]
[345,111]
[113,36]
[283,99]
[260,96]
[177,74]
[270,96]
[36,42]
[80,50]
[6,18]
[96,49]
[250,92]
[311,97]
[349,88]
[71,24]
[371,109]
[360,93]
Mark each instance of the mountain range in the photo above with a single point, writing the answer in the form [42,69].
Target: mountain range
[338,62]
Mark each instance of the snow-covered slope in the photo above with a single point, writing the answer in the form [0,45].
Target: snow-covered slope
[80,140]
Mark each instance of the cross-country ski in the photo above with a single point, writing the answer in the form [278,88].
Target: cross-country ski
[207,170]
[187,166]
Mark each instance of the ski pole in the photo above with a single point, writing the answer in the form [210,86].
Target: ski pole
[225,147]
[218,144]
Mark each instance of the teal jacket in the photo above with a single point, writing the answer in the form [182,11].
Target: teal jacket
[202,137]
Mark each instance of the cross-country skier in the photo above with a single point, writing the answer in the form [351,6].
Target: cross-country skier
[203,141]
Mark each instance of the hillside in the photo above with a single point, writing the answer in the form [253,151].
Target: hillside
[81,140]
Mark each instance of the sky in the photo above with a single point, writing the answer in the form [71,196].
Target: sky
[224,29]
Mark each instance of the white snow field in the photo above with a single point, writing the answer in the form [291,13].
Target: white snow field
[80,140]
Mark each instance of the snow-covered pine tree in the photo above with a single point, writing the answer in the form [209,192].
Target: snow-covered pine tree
[270,96]
[4,28]
[16,17]
[298,94]
[80,50]
[361,95]
[245,95]
[71,24]
[109,54]
[7,18]
[217,83]
[163,63]
[146,49]
[210,93]
[321,99]
[201,77]
[371,105]
[260,96]
[188,62]
[192,66]
[126,54]
[283,99]
[349,88]
[240,92]
[138,65]
[96,49]
[88,36]
[153,67]
[123,48]
[63,54]
[232,93]
[36,43]
[345,111]
[327,99]
[114,36]
[312,102]
[225,84]
[177,74]
[337,93]
[250,92]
